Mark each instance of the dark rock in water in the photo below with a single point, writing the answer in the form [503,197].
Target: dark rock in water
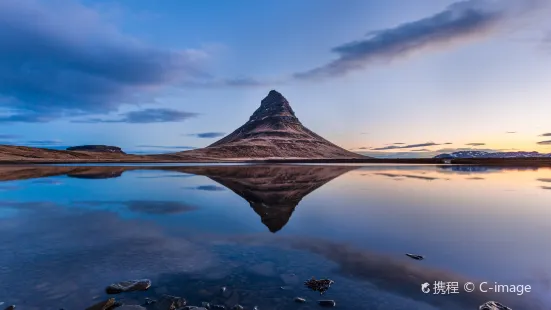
[327,303]
[192,308]
[321,285]
[415,256]
[12,307]
[149,301]
[205,305]
[103,305]
[96,148]
[169,302]
[300,299]
[219,307]
[493,305]
[237,307]
[131,307]
[128,286]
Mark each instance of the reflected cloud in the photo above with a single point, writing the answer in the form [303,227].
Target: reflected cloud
[545,180]
[47,181]
[209,188]
[64,266]
[5,188]
[166,176]
[546,187]
[154,207]
[476,178]
[399,276]
[410,176]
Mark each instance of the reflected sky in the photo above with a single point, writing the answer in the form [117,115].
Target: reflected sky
[471,223]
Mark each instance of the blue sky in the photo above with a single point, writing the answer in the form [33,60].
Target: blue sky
[388,78]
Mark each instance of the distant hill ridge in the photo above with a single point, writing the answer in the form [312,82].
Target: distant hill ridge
[96,148]
[483,154]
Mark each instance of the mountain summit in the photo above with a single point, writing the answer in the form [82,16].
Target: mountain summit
[272,131]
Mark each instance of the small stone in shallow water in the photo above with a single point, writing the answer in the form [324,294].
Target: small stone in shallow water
[205,305]
[169,302]
[128,286]
[131,307]
[149,301]
[219,307]
[237,307]
[103,305]
[321,285]
[12,307]
[300,299]
[327,303]
[415,256]
[493,305]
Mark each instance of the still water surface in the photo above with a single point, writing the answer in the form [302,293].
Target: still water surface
[68,231]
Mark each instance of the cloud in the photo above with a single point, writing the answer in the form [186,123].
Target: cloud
[510,132]
[159,115]
[459,22]
[546,142]
[398,143]
[209,188]
[42,142]
[73,61]
[475,144]
[393,147]
[448,143]
[167,147]
[206,135]
[9,137]
[547,134]
[545,180]
[421,150]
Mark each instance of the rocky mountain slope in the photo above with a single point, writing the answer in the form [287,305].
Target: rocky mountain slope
[273,131]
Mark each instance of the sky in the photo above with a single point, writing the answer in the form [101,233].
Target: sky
[393,78]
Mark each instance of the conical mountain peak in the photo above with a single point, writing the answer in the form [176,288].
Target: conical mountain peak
[272,131]
[273,105]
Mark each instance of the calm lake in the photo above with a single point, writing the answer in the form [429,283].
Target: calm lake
[66,232]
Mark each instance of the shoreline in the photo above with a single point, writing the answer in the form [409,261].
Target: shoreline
[539,162]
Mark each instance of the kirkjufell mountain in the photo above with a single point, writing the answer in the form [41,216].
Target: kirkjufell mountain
[273,131]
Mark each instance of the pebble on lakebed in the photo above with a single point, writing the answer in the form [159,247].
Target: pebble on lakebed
[415,256]
[321,285]
[300,300]
[104,305]
[493,305]
[327,303]
[128,286]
